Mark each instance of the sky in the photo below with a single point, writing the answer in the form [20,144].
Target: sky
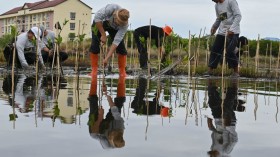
[258,16]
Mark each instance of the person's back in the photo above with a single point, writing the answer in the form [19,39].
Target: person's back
[49,39]
[156,32]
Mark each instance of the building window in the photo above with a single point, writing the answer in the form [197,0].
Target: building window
[47,16]
[72,15]
[34,17]
[47,25]
[2,29]
[72,26]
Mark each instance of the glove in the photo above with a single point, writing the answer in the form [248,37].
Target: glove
[27,67]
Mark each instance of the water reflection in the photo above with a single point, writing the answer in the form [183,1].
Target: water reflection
[224,135]
[49,98]
[134,109]
[109,130]
[141,104]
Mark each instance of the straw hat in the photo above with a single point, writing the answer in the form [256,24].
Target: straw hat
[121,17]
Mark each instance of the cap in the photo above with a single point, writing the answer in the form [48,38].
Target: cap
[42,28]
[122,16]
[167,30]
[36,31]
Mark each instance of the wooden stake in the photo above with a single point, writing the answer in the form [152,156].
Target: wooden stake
[270,58]
[257,56]
[278,62]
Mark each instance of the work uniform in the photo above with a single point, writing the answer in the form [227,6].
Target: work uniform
[141,35]
[26,51]
[106,16]
[228,19]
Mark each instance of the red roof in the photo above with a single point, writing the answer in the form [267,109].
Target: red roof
[47,4]
[12,11]
[38,5]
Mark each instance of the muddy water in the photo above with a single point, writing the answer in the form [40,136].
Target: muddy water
[172,117]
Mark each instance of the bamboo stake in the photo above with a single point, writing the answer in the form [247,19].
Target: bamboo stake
[148,81]
[270,58]
[13,78]
[131,48]
[198,48]
[266,51]
[278,61]
[189,54]
[207,52]
[257,56]
[224,57]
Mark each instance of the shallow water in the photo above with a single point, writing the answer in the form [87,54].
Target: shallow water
[244,123]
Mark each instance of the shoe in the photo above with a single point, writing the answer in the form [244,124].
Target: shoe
[207,74]
[234,75]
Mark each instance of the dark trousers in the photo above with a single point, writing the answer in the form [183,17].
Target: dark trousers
[95,42]
[49,59]
[8,54]
[218,48]
[141,46]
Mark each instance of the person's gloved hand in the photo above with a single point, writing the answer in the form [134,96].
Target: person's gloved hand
[27,67]
[42,67]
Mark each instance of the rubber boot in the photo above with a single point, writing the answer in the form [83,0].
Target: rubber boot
[122,65]
[94,63]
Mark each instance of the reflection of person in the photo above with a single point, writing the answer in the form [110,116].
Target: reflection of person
[48,42]
[25,91]
[139,104]
[108,131]
[142,33]
[224,135]
[114,19]
[228,21]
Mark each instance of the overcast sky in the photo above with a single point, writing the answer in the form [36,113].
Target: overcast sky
[259,16]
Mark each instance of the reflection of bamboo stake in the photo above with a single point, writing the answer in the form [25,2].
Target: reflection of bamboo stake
[223,99]
[277,109]
[256,101]
[187,104]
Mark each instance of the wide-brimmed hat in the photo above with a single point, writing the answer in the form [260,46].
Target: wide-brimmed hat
[121,17]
